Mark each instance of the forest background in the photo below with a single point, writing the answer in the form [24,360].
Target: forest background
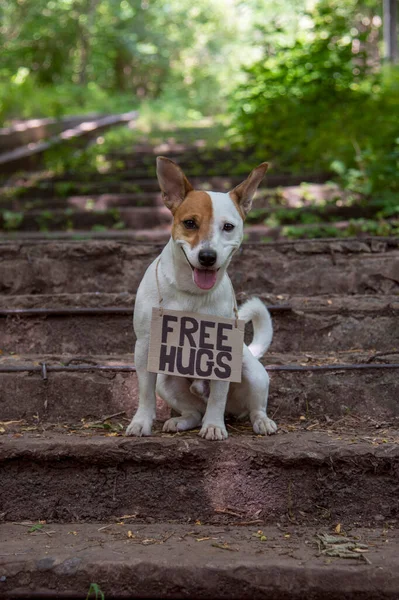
[305,83]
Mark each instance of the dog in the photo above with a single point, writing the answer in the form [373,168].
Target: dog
[191,275]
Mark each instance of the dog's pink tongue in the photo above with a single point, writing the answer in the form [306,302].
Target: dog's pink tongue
[205,278]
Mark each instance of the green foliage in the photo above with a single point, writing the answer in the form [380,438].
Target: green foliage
[56,100]
[72,56]
[45,219]
[375,176]
[323,97]
[96,592]
[355,228]
[35,527]
[12,220]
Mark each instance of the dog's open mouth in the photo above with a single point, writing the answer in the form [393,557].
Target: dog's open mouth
[204,278]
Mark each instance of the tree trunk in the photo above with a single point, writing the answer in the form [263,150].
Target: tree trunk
[86,32]
[390,30]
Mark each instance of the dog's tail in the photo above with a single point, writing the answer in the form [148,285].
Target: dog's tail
[254,310]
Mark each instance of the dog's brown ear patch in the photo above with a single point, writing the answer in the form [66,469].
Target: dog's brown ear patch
[173,183]
[243,194]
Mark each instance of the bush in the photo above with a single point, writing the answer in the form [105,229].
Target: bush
[323,99]
[56,101]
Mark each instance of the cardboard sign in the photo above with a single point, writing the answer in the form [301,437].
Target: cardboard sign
[194,345]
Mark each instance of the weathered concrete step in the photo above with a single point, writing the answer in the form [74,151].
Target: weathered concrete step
[224,176]
[70,218]
[214,168]
[253,234]
[135,181]
[97,184]
[34,130]
[82,212]
[144,155]
[307,267]
[28,156]
[83,202]
[70,323]
[315,385]
[197,562]
[309,198]
[357,227]
[155,235]
[125,225]
[302,476]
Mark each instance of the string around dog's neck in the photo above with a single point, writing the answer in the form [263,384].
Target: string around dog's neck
[160,299]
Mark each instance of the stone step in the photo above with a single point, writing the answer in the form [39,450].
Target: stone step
[59,218]
[138,181]
[29,156]
[26,131]
[169,561]
[118,183]
[305,477]
[309,198]
[262,234]
[70,323]
[88,202]
[154,235]
[125,225]
[310,385]
[305,267]
[82,212]
[358,228]
[145,155]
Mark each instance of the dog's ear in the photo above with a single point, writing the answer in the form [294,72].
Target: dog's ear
[173,183]
[245,191]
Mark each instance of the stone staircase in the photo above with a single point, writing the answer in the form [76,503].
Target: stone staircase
[310,512]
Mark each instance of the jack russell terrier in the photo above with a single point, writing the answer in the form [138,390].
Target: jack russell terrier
[190,275]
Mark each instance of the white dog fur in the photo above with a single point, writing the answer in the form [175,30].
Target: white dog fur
[207,230]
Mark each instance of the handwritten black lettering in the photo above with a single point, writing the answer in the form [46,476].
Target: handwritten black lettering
[165,326]
[221,337]
[188,326]
[189,369]
[222,359]
[167,359]
[202,352]
[203,334]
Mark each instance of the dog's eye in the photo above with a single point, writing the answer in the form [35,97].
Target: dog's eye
[228,227]
[190,224]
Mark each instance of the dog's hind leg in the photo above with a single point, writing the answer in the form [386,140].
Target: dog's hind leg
[250,396]
[176,393]
[257,404]
[256,380]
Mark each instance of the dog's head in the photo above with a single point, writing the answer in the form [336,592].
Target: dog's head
[207,226]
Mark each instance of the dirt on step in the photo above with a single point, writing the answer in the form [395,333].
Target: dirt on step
[333,392]
[301,477]
[196,561]
[295,330]
[369,266]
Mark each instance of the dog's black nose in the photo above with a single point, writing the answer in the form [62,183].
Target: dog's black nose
[207,257]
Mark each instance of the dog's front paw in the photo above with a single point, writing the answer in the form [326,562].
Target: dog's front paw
[262,425]
[139,426]
[213,432]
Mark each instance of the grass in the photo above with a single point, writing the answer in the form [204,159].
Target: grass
[96,592]
[58,101]
[354,228]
